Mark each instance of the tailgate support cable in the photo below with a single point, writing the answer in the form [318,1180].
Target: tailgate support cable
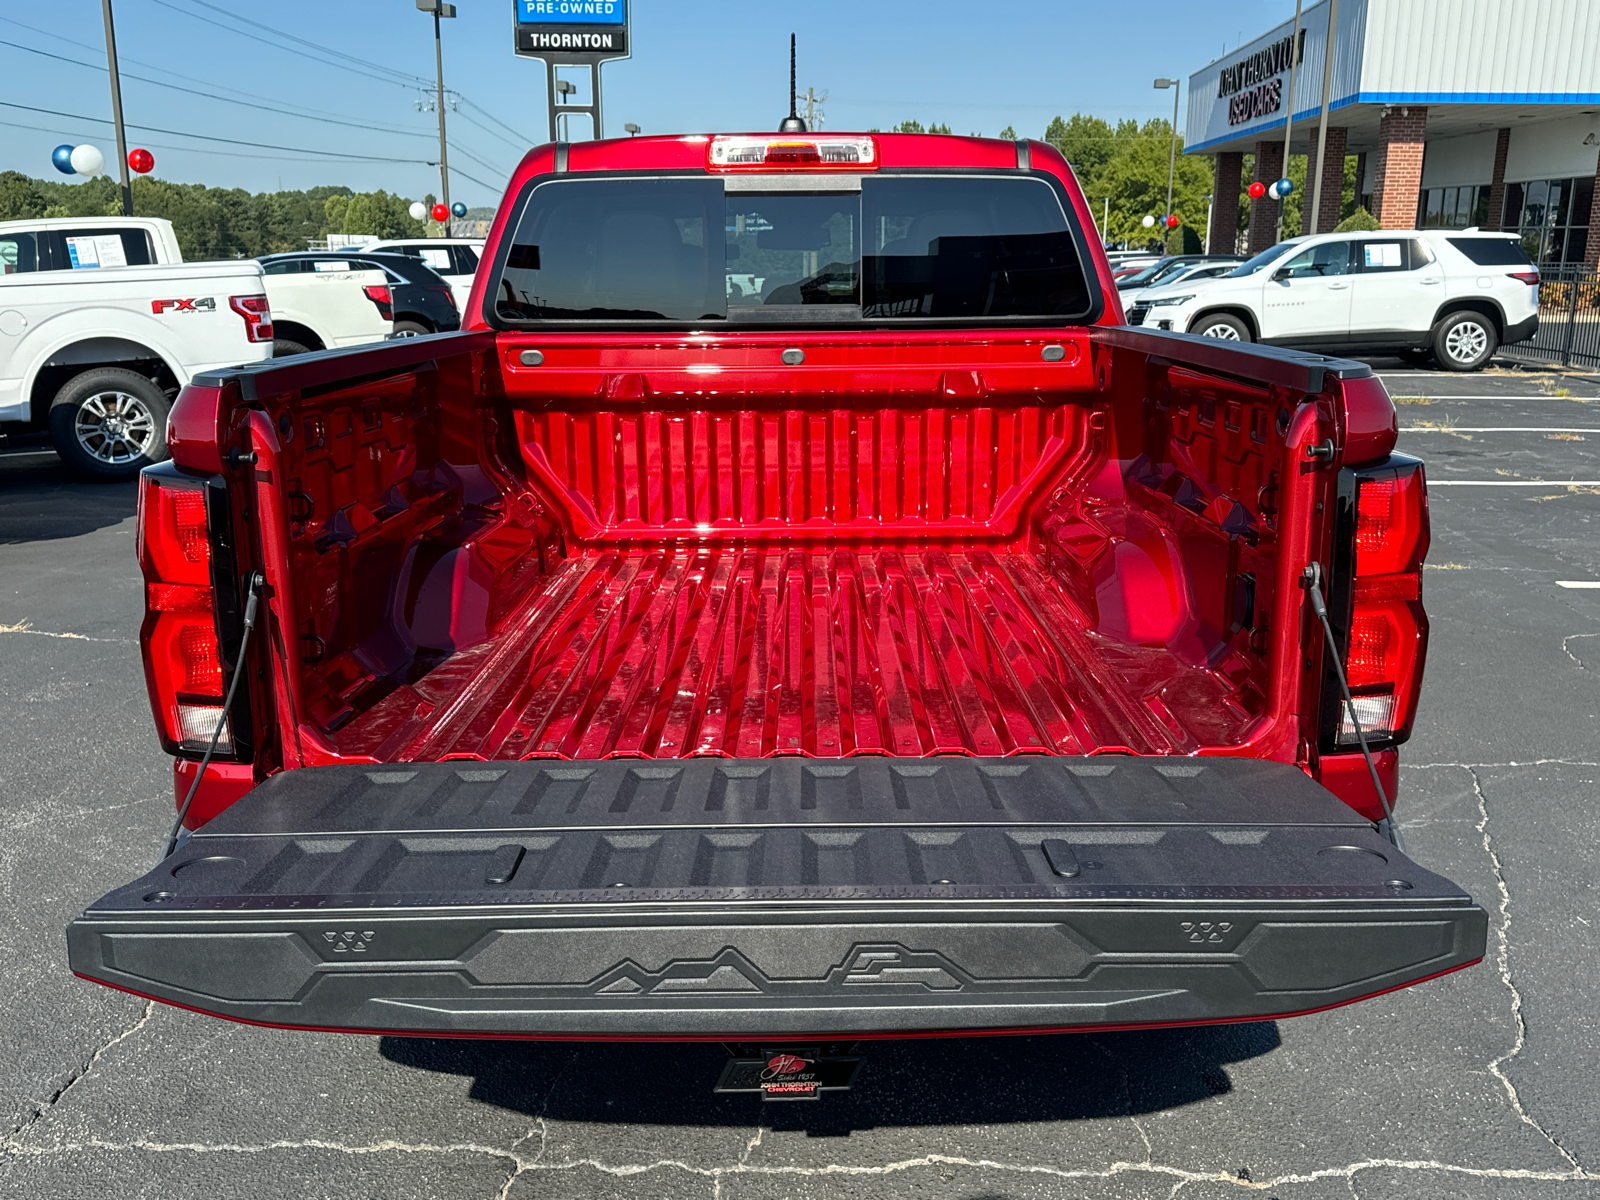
[1312,579]
[254,586]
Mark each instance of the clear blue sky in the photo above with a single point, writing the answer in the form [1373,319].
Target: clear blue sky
[697,65]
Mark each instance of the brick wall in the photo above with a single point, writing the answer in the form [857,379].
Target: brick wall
[1397,174]
[1264,212]
[1224,231]
[1332,180]
[1591,251]
[1497,181]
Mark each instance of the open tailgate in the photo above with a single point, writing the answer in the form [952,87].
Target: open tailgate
[757,898]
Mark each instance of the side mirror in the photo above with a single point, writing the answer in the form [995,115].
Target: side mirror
[1281,274]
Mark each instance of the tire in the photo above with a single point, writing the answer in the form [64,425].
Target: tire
[1465,341]
[284,347]
[410,329]
[1221,325]
[110,423]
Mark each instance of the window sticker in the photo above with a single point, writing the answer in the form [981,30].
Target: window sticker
[104,250]
[439,260]
[333,266]
[1383,254]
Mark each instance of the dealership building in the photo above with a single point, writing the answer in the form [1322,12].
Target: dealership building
[1459,112]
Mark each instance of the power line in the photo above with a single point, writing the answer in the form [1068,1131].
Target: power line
[204,137]
[224,99]
[232,16]
[59,132]
[523,141]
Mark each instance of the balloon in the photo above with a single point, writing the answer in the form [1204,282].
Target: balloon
[1281,189]
[441,214]
[1148,221]
[458,209]
[142,161]
[1257,190]
[87,160]
[418,210]
[62,157]
[1172,222]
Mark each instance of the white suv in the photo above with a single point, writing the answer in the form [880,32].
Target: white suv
[1458,295]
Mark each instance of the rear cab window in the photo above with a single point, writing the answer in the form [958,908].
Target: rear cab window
[786,250]
[93,249]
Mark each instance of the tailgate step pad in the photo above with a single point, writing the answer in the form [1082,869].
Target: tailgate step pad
[754,898]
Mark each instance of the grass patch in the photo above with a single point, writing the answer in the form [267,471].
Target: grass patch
[1565,437]
[1412,400]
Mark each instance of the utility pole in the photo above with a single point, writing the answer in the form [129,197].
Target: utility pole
[1288,119]
[814,104]
[1322,123]
[1172,154]
[116,109]
[439,9]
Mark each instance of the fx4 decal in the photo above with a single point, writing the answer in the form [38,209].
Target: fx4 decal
[204,304]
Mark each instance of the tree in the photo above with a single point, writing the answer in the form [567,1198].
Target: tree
[916,127]
[1357,222]
[1009,134]
[1085,142]
[19,198]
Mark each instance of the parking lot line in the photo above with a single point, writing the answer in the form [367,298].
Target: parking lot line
[1500,429]
[24,453]
[1433,483]
[1579,583]
[1482,396]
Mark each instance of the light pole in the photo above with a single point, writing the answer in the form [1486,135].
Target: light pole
[116,109]
[1288,118]
[440,9]
[1322,126]
[1172,155]
[565,89]
[631,129]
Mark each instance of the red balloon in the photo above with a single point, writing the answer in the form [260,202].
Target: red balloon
[441,214]
[141,161]
[1257,190]
[1172,222]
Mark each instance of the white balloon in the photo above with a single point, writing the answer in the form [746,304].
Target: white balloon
[1148,221]
[86,160]
[418,210]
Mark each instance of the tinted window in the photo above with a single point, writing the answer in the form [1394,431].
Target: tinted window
[1379,257]
[1330,258]
[1492,251]
[1268,256]
[18,254]
[616,249]
[291,266]
[952,247]
[902,247]
[466,259]
[88,249]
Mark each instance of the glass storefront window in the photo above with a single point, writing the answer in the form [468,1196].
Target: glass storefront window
[1552,217]
[1453,207]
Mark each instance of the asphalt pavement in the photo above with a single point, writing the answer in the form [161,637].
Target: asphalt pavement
[1481,1084]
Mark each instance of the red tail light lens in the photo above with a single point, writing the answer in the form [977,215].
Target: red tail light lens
[1531,278]
[814,153]
[257,316]
[183,662]
[1388,630]
[378,293]
[448,293]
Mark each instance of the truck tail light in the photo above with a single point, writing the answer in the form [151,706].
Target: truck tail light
[182,653]
[257,316]
[1387,632]
[790,153]
[378,293]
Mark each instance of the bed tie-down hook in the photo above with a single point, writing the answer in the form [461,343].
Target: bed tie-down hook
[1324,451]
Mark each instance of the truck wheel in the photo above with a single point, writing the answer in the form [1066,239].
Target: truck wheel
[1220,325]
[410,329]
[110,423]
[284,347]
[1465,341]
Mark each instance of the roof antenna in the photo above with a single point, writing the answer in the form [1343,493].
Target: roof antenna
[793,122]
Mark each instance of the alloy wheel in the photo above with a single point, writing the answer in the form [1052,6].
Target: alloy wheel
[115,428]
[1221,330]
[1466,342]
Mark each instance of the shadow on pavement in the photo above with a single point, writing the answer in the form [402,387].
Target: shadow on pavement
[907,1082]
[40,500]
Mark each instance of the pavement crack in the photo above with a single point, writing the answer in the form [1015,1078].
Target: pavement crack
[82,1071]
[26,627]
[1566,646]
[1127,1094]
[1503,965]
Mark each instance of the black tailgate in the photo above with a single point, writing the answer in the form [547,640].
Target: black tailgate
[758,898]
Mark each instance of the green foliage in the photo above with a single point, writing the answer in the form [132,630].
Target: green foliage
[1009,134]
[1128,164]
[916,127]
[19,198]
[218,222]
[1086,142]
[1357,222]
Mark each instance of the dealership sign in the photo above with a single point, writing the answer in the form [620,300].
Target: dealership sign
[1253,86]
[597,27]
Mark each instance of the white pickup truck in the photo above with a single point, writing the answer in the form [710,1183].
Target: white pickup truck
[101,322]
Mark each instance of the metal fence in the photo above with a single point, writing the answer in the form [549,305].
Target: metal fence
[1569,322]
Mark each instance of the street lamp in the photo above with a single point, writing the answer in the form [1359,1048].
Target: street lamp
[440,9]
[1172,155]
[631,129]
[565,89]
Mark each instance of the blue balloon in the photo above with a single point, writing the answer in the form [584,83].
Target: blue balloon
[62,157]
[459,209]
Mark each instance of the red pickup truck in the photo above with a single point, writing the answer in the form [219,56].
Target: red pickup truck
[856,630]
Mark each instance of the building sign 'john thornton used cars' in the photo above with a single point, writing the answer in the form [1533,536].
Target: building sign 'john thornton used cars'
[583,26]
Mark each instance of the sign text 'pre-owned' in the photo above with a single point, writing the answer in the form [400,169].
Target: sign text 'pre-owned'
[1259,67]
[581,26]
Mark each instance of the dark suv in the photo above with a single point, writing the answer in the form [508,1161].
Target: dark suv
[416,298]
